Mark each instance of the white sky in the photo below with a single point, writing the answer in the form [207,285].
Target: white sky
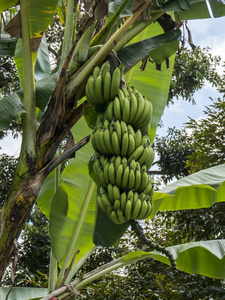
[205,33]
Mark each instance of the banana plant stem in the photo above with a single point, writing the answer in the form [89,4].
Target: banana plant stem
[68,34]
[80,78]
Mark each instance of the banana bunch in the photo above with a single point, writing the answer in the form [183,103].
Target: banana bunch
[101,86]
[117,170]
[123,152]
[117,138]
[125,206]
[132,108]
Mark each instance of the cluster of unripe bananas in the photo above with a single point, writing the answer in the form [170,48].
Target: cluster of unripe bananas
[123,152]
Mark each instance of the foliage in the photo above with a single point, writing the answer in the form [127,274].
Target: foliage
[207,137]
[196,146]
[192,69]
[173,150]
[7,169]
[151,279]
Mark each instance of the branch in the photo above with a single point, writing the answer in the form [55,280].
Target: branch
[136,227]
[66,154]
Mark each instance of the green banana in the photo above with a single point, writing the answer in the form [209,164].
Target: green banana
[117,128]
[108,141]
[117,204]
[117,109]
[91,88]
[124,128]
[120,216]
[136,209]
[96,72]
[123,201]
[131,145]
[131,130]
[115,143]
[101,178]
[107,86]
[143,210]
[140,109]
[114,217]
[100,203]
[131,180]
[119,175]
[125,143]
[116,192]
[117,162]
[110,192]
[138,138]
[136,154]
[133,106]
[125,92]
[126,110]
[105,201]
[148,210]
[133,165]
[115,84]
[109,114]
[137,183]
[89,96]
[130,196]
[125,178]
[144,113]
[144,181]
[99,89]
[128,210]
[143,157]
[105,68]
[112,177]
[106,173]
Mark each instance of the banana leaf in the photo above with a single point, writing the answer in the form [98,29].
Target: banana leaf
[23,293]
[198,190]
[153,84]
[10,106]
[7,46]
[205,257]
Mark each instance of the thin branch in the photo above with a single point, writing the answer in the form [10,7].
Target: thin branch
[66,154]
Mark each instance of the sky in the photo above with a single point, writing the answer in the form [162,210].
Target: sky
[205,33]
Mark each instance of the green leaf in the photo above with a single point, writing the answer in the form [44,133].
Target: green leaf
[205,258]
[90,116]
[218,8]
[6,4]
[18,58]
[198,190]
[42,66]
[74,223]
[23,293]
[40,60]
[153,84]
[7,46]
[40,15]
[107,233]
[131,54]
[46,194]
[10,106]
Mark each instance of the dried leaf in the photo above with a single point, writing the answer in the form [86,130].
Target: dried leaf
[14,27]
[94,10]
[145,15]
[166,22]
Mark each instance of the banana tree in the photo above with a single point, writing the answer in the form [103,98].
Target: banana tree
[76,224]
